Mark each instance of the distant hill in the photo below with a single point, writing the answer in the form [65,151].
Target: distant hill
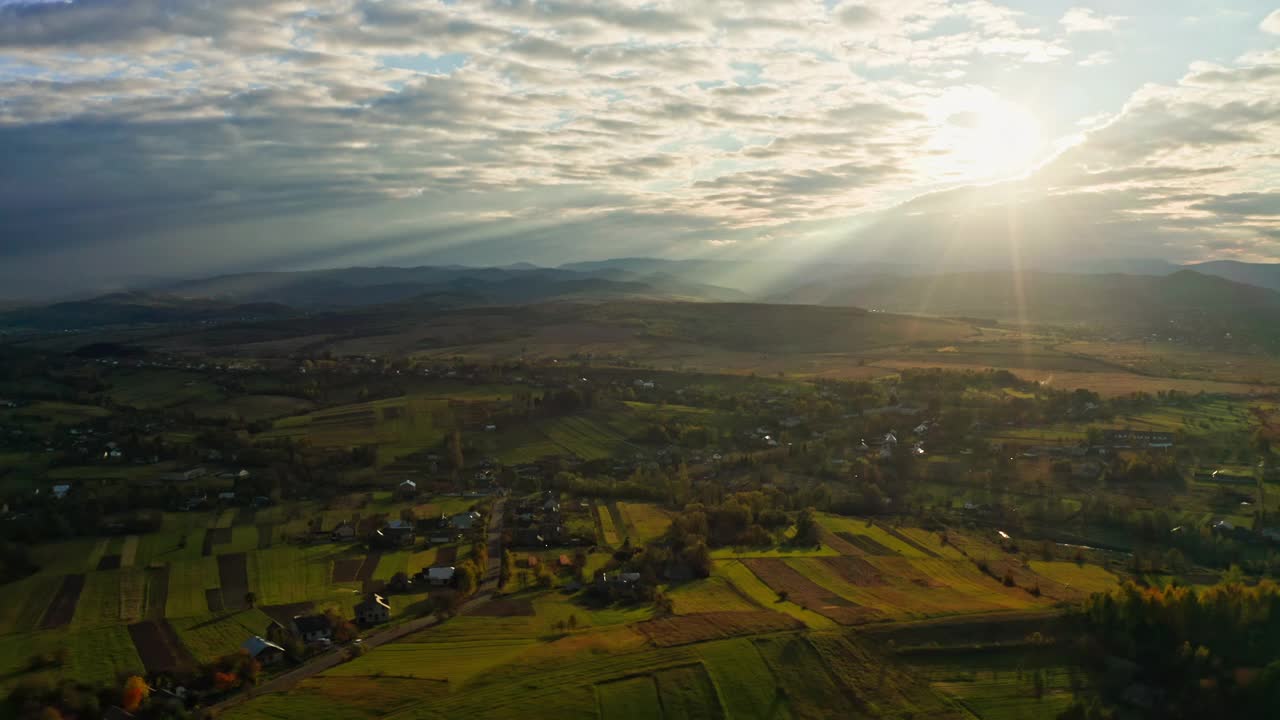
[1185,304]
[356,287]
[134,308]
[1264,275]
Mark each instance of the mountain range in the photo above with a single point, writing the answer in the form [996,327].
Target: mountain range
[1204,301]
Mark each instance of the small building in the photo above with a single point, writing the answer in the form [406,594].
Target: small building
[60,491]
[395,534]
[466,520]
[344,531]
[312,628]
[373,611]
[407,489]
[442,575]
[530,561]
[264,651]
[565,562]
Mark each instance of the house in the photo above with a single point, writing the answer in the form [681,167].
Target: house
[1137,438]
[229,496]
[565,562]
[344,531]
[60,491]
[466,520]
[396,533]
[528,537]
[373,611]
[264,651]
[551,506]
[407,489]
[312,628]
[441,575]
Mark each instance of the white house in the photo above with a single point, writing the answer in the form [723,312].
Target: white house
[373,611]
[440,575]
[466,520]
[264,651]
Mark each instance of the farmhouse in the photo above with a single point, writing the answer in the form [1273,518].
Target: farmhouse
[407,489]
[440,575]
[396,533]
[373,611]
[264,651]
[312,628]
[344,531]
[466,520]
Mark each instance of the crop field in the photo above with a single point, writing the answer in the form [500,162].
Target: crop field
[754,588]
[999,684]
[683,630]
[583,437]
[714,594]
[159,388]
[786,580]
[396,426]
[212,636]
[1086,578]
[635,697]
[608,531]
[455,662]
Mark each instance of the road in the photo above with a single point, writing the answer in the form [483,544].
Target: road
[318,664]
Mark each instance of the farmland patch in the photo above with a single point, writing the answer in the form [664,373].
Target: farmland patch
[505,608]
[686,693]
[802,591]
[213,598]
[157,591]
[854,570]
[635,697]
[686,629]
[63,606]
[347,569]
[865,544]
[284,614]
[159,647]
[108,562]
[265,535]
[233,577]
[129,551]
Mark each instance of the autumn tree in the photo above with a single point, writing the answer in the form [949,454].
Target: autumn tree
[136,691]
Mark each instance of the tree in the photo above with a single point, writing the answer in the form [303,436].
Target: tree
[134,694]
[806,528]
[251,598]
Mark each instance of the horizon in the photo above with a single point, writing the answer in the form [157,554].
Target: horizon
[152,141]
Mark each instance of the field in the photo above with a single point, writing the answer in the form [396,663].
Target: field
[643,522]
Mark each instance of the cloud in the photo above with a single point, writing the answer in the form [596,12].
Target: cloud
[1083,20]
[166,136]
[1271,23]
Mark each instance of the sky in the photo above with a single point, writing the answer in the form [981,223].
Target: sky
[148,139]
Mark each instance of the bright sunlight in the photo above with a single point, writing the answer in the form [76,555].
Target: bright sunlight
[984,136]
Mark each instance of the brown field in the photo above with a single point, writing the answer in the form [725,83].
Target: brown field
[809,595]
[63,606]
[212,537]
[159,647]
[213,599]
[899,536]
[109,562]
[366,526]
[446,555]
[346,569]
[835,542]
[233,576]
[505,608]
[865,544]
[284,614]
[855,570]
[369,566]
[157,591]
[686,629]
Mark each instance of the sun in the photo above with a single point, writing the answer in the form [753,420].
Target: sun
[983,136]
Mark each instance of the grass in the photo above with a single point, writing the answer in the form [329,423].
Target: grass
[456,661]
[581,436]
[608,531]
[998,684]
[714,594]
[742,681]
[635,697]
[1088,578]
[686,693]
[837,523]
[644,522]
[210,637]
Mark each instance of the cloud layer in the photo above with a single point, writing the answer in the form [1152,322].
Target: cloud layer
[146,137]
